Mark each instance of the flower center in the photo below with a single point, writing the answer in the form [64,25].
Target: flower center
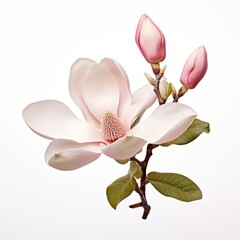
[111,127]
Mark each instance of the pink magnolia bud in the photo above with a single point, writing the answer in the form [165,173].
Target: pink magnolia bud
[194,68]
[150,40]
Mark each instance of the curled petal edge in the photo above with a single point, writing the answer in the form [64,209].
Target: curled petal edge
[125,98]
[166,123]
[68,155]
[53,119]
[78,70]
[124,148]
[143,98]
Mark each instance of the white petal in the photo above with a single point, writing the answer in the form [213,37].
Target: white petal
[52,119]
[119,73]
[100,91]
[166,123]
[69,155]
[123,148]
[143,98]
[78,70]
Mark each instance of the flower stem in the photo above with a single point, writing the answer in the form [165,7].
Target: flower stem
[180,93]
[156,89]
[157,92]
[176,98]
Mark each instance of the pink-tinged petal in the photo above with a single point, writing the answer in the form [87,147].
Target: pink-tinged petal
[166,123]
[69,155]
[52,119]
[194,68]
[100,91]
[123,148]
[150,40]
[119,73]
[78,70]
[143,98]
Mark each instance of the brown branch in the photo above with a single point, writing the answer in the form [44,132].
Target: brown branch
[141,190]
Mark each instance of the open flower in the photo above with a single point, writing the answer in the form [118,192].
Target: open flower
[103,94]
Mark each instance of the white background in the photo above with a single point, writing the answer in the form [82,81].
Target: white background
[39,40]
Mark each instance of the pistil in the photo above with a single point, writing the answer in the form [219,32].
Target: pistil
[111,127]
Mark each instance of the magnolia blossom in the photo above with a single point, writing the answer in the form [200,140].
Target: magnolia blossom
[150,40]
[103,94]
[194,68]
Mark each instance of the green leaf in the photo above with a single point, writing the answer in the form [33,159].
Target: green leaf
[135,170]
[194,130]
[169,89]
[175,185]
[120,189]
